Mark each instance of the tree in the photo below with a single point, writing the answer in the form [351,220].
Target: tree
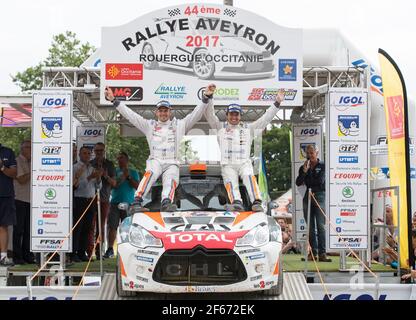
[276,151]
[67,51]
[137,147]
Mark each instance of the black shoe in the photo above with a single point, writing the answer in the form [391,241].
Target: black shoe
[109,253]
[18,261]
[168,206]
[30,260]
[83,257]
[324,258]
[74,258]
[238,205]
[137,206]
[257,207]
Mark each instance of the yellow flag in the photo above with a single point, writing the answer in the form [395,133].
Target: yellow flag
[395,106]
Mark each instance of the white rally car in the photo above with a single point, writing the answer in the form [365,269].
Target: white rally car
[201,247]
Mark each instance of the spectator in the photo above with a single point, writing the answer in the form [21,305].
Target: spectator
[282,223]
[312,175]
[108,181]
[8,172]
[74,153]
[86,181]
[21,231]
[127,181]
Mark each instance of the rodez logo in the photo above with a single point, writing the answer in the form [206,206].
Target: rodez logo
[222,93]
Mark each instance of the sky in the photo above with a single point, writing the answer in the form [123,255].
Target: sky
[27,27]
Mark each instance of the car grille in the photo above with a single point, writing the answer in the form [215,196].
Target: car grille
[199,266]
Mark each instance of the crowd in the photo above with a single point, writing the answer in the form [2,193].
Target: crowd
[114,184]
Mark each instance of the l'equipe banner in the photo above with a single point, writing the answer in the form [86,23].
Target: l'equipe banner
[303,135]
[51,194]
[347,158]
[395,106]
[173,53]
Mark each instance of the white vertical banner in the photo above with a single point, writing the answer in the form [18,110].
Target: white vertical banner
[88,136]
[347,173]
[303,135]
[51,191]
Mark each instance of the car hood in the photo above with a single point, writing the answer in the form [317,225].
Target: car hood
[222,221]
[185,230]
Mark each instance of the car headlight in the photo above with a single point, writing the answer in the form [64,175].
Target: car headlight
[124,229]
[142,238]
[275,230]
[257,237]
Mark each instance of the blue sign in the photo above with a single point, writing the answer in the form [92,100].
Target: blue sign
[344,159]
[51,161]
[287,69]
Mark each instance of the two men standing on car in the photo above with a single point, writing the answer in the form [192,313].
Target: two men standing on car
[164,136]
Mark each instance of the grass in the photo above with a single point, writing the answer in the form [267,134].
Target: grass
[291,263]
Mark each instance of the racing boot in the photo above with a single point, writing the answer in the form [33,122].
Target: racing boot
[257,207]
[137,206]
[237,205]
[168,206]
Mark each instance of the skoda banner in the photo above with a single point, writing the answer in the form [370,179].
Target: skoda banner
[51,193]
[303,135]
[347,178]
[173,53]
[88,136]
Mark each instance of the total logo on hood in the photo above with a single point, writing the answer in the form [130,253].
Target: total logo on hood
[189,240]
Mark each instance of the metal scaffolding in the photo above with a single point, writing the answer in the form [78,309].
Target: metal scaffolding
[85,83]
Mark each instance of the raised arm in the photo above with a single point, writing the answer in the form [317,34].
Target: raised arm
[212,119]
[138,121]
[197,113]
[268,116]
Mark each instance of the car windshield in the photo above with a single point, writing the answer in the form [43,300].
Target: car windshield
[196,195]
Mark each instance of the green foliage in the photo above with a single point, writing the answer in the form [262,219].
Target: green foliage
[136,148]
[12,137]
[276,151]
[65,51]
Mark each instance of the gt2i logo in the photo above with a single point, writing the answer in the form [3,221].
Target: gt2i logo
[128,93]
[51,150]
[348,148]
[348,126]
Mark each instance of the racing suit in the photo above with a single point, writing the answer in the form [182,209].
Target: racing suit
[235,145]
[164,139]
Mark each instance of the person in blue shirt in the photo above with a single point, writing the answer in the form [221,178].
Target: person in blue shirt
[127,181]
[8,171]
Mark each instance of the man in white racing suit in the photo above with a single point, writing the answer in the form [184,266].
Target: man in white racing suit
[235,139]
[164,136]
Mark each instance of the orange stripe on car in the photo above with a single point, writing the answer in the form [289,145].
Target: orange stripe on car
[122,270]
[156,216]
[276,268]
[242,216]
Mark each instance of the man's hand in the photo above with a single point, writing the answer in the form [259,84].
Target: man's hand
[125,172]
[210,89]
[80,171]
[280,96]
[410,275]
[306,166]
[109,94]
